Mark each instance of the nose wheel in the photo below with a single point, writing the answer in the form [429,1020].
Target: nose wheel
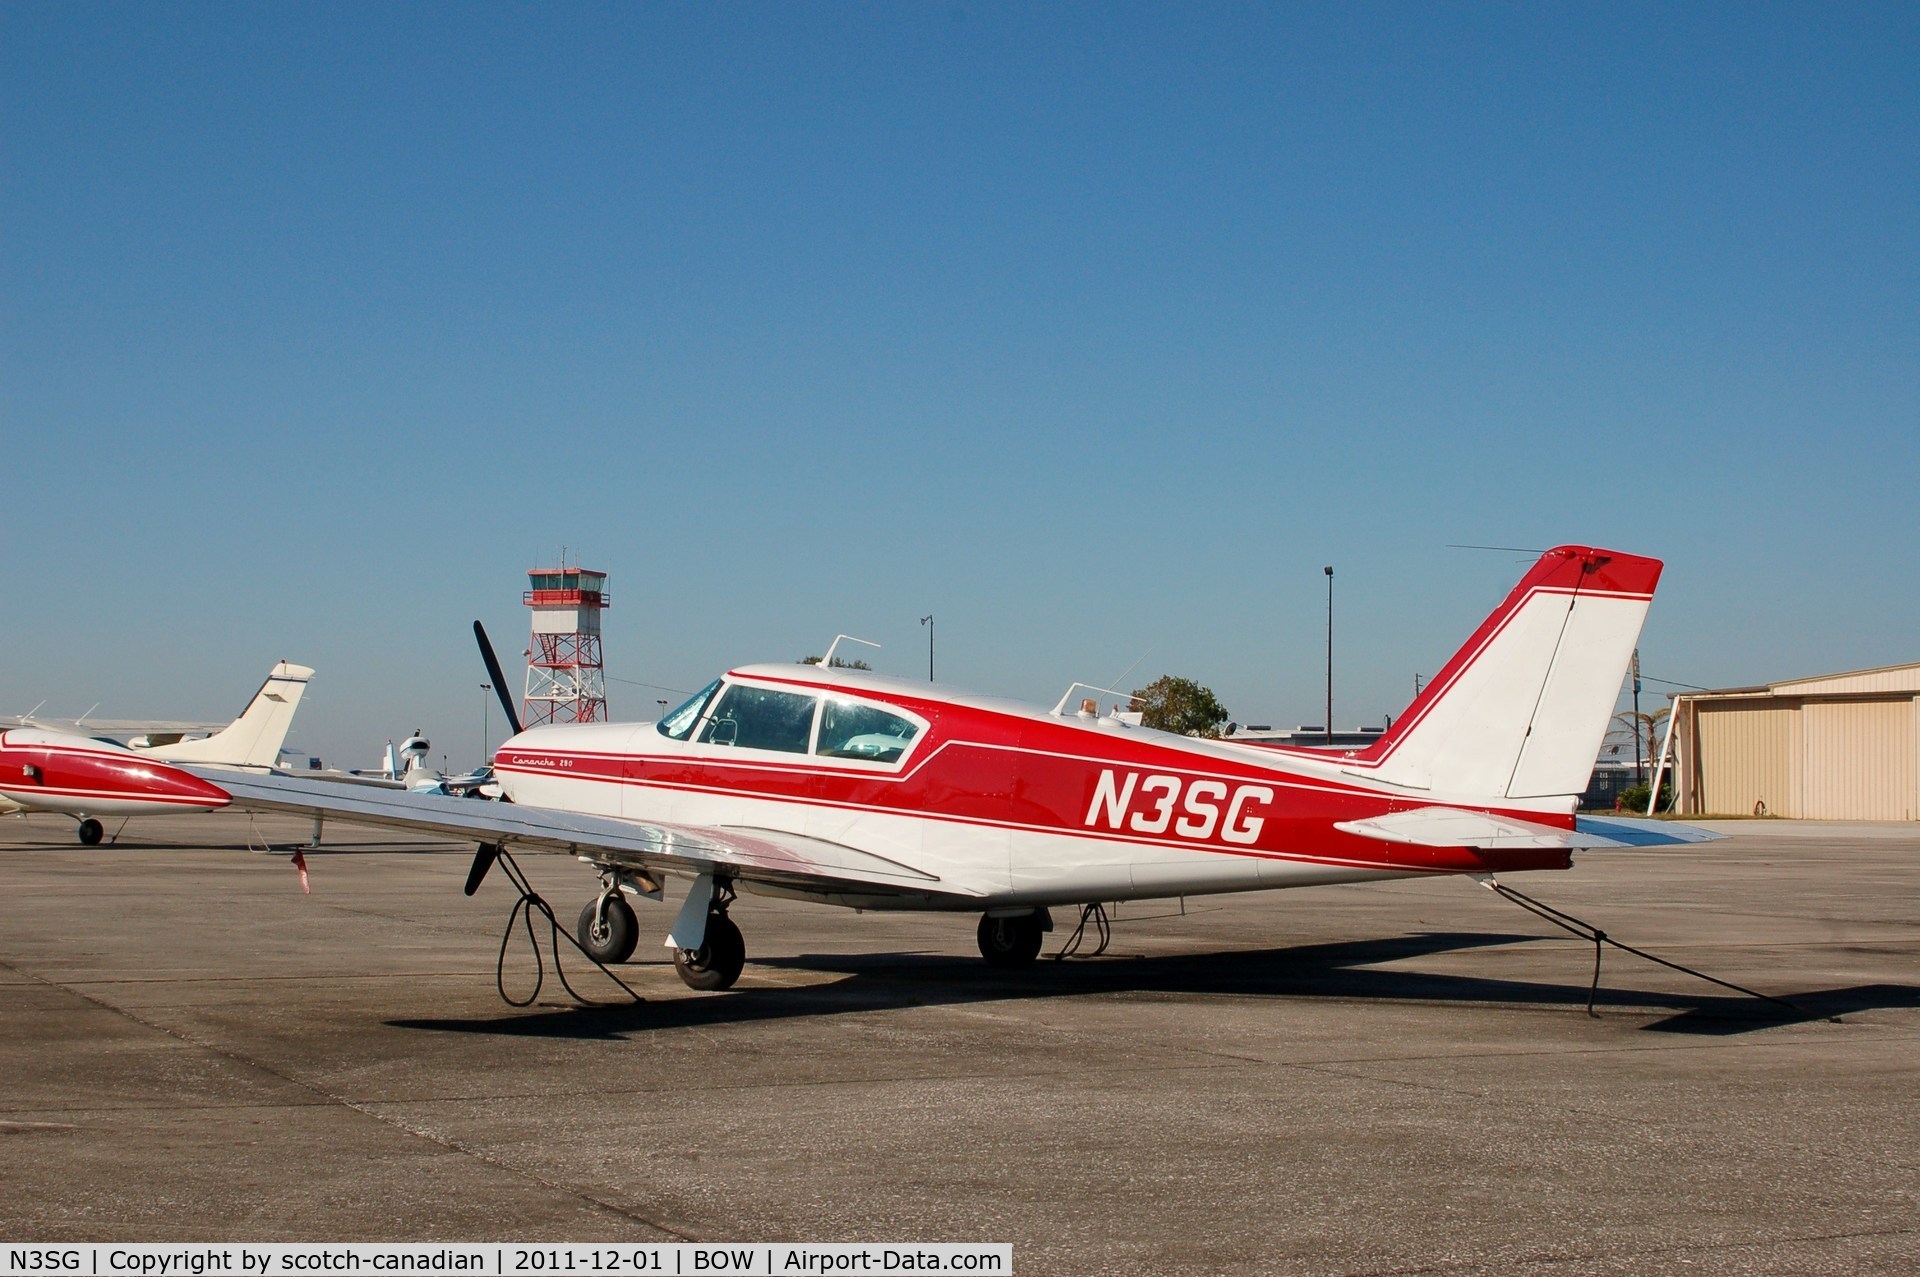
[91,832]
[608,930]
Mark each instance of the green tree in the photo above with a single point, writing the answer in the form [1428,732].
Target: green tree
[1180,705]
[1647,729]
[1633,799]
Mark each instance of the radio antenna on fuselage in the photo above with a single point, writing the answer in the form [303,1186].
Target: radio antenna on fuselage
[826,662]
[1136,664]
[1089,706]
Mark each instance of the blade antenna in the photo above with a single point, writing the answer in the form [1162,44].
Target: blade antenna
[827,660]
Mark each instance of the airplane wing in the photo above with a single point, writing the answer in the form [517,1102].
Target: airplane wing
[1452,827]
[772,857]
[119,728]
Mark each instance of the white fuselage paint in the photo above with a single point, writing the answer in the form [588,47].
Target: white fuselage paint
[1006,864]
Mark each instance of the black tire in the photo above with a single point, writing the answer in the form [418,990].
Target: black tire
[716,964]
[1012,942]
[618,933]
[91,832]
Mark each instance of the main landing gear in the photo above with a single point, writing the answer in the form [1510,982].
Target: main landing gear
[1009,942]
[717,962]
[714,963]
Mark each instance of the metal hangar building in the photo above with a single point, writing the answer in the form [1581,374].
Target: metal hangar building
[1836,747]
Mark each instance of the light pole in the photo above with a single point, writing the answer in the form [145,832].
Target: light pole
[1329,571]
[927,621]
[1637,777]
[486,720]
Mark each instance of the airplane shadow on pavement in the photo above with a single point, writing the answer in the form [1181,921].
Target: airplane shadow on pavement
[1350,971]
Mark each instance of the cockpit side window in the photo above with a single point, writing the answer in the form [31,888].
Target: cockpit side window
[679,724]
[761,718]
[849,729]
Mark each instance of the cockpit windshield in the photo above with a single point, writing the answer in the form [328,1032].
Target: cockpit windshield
[750,717]
[679,724]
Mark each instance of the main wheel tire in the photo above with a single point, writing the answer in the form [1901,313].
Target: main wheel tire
[619,931]
[91,832]
[716,964]
[1011,942]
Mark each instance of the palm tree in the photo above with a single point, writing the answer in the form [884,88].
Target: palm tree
[1645,729]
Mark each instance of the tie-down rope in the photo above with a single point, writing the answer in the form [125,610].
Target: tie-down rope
[1587,931]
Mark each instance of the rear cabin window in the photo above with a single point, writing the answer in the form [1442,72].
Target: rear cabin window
[851,730]
[761,718]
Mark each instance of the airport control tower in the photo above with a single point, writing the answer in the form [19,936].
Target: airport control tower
[566,682]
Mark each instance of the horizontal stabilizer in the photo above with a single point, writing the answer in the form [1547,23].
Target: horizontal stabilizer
[1629,832]
[1455,827]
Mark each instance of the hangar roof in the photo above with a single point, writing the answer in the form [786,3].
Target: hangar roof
[1887,678]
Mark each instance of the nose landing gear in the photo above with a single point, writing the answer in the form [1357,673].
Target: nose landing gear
[607,929]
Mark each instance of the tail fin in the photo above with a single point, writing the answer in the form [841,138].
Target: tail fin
[1520,711]
[254,738]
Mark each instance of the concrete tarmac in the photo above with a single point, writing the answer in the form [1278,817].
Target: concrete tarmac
[1395,1078]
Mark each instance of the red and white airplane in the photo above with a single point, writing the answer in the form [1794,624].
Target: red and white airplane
[841,787]
[846,788]
[87,777]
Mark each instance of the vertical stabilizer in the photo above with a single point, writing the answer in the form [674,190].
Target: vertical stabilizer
[254,738]
[1521,710]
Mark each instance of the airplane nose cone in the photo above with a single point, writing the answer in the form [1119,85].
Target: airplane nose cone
[82,774]
[171,782]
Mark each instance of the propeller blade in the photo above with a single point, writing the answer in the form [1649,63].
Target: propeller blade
[499,682]
[482,861]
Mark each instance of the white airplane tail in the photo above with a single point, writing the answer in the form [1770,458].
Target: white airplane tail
[254,738]
[1519,713]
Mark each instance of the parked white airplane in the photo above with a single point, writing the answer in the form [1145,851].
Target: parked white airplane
[86,777]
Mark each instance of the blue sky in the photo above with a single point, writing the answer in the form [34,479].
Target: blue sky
[1093,330]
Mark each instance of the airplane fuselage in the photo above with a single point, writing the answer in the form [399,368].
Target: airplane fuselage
[1005,800]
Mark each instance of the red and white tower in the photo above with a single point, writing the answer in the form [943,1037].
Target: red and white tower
[566,682]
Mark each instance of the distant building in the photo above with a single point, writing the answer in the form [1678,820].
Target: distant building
[1836,747]
[1610,780]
